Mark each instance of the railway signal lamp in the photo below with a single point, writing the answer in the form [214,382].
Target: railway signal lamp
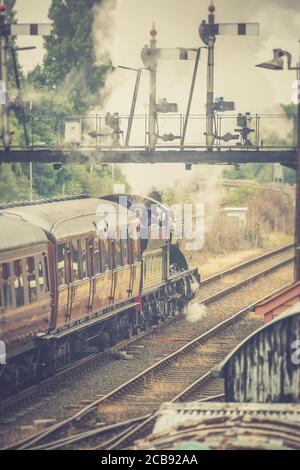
[164,107]
[244,122]
[221,105]
[203,32]
[113,121]
[276,63]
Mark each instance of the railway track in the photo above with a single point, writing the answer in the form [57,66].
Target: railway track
[244,270]
[126,406]
[218,284]
[136,402]
[76,370]
[229,278]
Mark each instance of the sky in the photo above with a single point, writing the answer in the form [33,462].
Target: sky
[177,24]
[177,21]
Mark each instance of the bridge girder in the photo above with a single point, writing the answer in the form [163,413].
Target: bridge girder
[285,157]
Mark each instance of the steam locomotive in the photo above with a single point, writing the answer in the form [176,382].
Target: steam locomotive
[72,280]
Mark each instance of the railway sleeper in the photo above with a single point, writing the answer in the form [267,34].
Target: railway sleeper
[47,358]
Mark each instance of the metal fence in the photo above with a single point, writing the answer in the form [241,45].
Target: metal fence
[99,131]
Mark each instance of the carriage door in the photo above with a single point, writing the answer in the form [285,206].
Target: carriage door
[71,287]
[62,284]
[133,258]
[114,273]
[92,269]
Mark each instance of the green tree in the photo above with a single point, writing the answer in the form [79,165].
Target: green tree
[71,180]
[13,186]
[67,83]
[70,61]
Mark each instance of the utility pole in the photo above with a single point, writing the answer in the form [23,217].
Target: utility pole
[30,181]
[276,63]
[6,135]
[113,174]
[133,103]
[152,94]
[297,209]
[150,57]
[210,138]
[6,30]
[208,31]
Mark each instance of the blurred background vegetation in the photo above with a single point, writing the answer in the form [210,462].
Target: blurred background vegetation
[67,83]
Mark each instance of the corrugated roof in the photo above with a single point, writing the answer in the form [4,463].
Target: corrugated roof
[294,310]
[196,426]
[15,233]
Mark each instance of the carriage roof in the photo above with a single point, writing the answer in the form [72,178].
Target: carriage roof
[65,218]
[16,233]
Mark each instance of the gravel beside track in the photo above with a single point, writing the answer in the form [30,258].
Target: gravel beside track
[75,394]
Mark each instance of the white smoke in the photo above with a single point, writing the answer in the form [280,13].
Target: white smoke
[103,29]
[195,312]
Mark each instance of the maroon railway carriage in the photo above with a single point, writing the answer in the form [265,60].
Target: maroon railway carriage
[25,301]
[64,289]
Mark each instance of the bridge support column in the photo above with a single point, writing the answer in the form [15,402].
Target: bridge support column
[297,211]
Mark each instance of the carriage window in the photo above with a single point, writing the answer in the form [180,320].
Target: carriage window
[97,261]
[46,274]
[75,260]
[84,259]
[18,283]
[5,290]
[61,264]
[31,280]
[105,254]
[43,275]
[118,257]
[124,247]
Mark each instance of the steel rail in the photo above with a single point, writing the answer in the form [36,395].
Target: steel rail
[134,433]
[94,360]
[247,263]
[31,442]
[239,284]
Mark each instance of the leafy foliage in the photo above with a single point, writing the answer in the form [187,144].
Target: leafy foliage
[67,83]
[257,171]
[13,185]
[76,179]
[241,195]
[70,63]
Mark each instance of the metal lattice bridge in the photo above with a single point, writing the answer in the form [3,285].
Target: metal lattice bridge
[161,135]
[105,139]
